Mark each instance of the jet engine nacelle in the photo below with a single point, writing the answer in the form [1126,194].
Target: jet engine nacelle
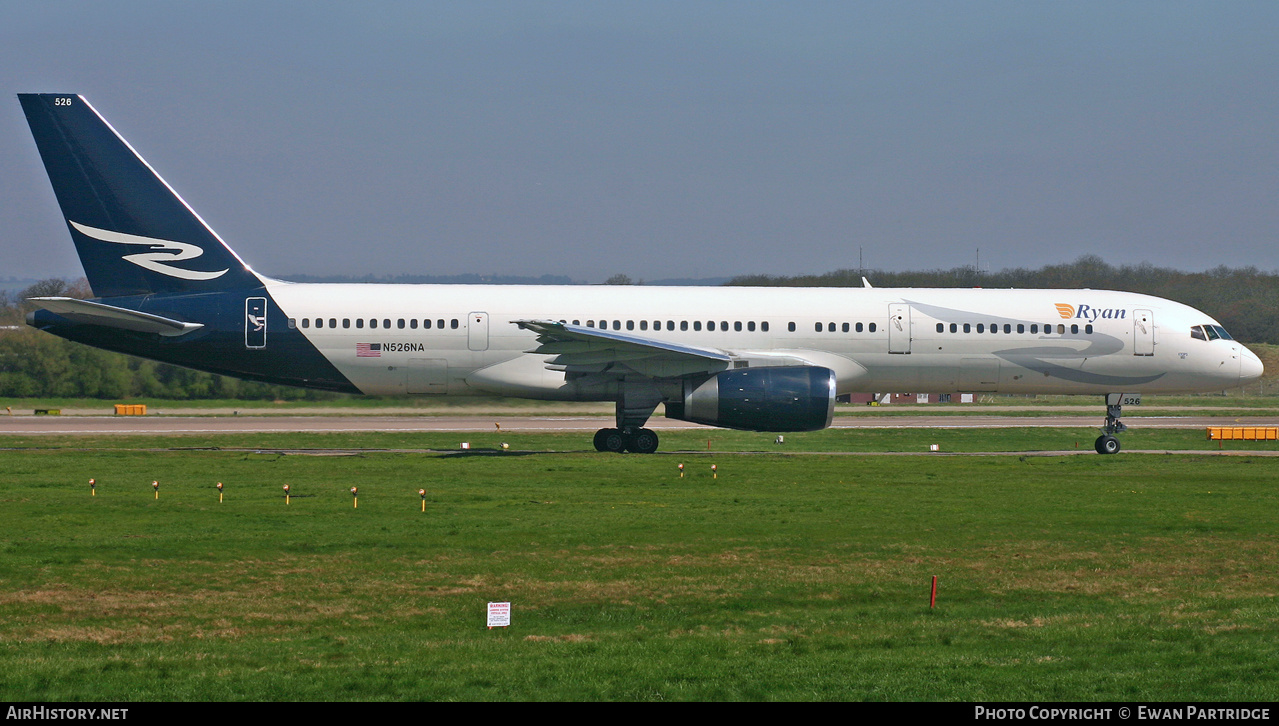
[781,398]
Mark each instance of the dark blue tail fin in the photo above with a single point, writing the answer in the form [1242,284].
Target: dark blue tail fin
[134,234]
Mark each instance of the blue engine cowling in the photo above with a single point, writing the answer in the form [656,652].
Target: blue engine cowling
[782,398]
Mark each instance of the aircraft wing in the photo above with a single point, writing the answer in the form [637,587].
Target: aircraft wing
[581,349]
[110,316]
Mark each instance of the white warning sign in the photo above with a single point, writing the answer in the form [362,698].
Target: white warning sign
[499,614]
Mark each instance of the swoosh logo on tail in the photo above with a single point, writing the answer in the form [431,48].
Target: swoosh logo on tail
[163,252]
[1065,311]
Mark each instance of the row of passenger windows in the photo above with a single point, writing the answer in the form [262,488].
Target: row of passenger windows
[845,327]
[1008,328]
[711,325]
[696,325]
[373,323]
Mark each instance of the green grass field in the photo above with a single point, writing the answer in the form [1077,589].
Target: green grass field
[1133,577]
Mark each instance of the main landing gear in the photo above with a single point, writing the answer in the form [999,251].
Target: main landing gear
[636,441]
[634,406]
[1107,443]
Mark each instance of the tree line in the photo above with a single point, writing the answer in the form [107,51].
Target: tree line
[36,365]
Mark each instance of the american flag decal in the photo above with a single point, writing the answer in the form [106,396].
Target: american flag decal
[368,350]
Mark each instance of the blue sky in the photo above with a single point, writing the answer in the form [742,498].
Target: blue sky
[670,139]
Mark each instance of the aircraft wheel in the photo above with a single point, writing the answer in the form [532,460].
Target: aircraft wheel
[643,441]
[1107,445]
[610,440]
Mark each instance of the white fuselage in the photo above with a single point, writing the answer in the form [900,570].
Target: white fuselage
[875,339]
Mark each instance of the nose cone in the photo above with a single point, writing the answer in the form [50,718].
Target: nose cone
[1250,367]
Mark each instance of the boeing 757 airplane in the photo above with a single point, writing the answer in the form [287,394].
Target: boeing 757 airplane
[759,359]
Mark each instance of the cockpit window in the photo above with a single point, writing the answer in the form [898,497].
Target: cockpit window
[1220,331]
[1211,330]
[1198,333]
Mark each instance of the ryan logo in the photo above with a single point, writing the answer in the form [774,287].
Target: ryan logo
[1089,313]
[162,252]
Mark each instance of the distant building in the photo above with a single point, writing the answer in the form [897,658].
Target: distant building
[884,399]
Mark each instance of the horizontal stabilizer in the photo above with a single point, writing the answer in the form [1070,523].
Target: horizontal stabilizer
[109,316]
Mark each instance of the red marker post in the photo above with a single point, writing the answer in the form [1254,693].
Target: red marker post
[932,602]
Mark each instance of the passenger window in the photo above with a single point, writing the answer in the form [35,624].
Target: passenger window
[1034,328]
[791,327]
[346,322]
[630,324]
[577,322]
[831,327]
[941,328]
[426,324]
[858,327]
[844,328]
[750,326]
[968,328]
[981,327]
[1020,328]
[710,324]
[400,323]
[617,325]
[453,323]
[954,328]
[359,323]
[1074,329]
[683,325]
[697,325]
[871,327]
[333,322]
[738,326]
[306,322]
[643,325]
[440,323]
[1008,328]
[817,327]
[670,324]
[1088,329]
[1061,329]
[413,323]
[763,326]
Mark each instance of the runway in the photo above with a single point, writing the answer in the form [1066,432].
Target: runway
[165,425]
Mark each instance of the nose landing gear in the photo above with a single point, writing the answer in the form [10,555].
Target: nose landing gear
[1107,443]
